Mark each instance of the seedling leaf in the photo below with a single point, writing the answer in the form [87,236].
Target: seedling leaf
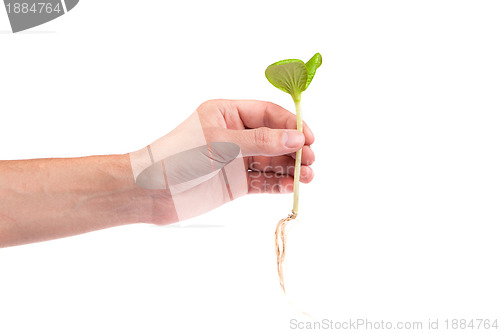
[311,67]
[288,75]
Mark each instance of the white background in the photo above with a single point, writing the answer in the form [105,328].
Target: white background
[401,222]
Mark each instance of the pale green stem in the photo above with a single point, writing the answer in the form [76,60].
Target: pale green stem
[298,161]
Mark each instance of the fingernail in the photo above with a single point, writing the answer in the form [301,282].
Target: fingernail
[293,139]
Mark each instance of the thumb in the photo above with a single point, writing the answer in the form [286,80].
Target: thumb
[266,141]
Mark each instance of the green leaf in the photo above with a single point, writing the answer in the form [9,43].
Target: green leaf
[312,65]
[288,75]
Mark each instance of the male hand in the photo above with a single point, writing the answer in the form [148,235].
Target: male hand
[225,149]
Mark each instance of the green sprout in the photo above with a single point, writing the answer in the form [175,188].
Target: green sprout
[293,76]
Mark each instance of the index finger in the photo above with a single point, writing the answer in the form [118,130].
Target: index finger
[255,114]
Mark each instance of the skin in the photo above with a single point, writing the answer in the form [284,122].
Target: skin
[44,199]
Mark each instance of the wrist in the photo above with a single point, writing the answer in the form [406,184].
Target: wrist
[141,205]
[129,202]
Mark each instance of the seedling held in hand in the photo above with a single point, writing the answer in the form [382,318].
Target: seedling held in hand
[293,76]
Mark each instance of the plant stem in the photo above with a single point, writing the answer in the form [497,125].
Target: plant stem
[298,161]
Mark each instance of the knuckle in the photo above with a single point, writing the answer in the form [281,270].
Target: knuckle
[262,137]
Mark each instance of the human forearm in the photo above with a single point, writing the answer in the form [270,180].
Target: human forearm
[51,198]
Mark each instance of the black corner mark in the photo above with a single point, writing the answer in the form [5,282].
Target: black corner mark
[26,14]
